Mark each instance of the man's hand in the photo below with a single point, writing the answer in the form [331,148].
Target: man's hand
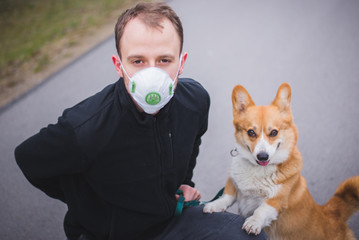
[189,193]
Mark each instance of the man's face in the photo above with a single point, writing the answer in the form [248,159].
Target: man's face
[143,47]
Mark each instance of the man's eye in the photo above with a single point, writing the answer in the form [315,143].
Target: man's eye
[137,62]
[251,133]
[165,61]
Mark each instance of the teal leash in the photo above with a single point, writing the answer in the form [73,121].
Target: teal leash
[182,204]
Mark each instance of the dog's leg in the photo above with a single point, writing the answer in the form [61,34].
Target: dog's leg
[221,204]
[262,217]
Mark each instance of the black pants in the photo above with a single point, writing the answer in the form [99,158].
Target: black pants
[82,237]
[193,224]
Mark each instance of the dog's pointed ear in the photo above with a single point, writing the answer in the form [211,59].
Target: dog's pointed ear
[283,97]
[241,100]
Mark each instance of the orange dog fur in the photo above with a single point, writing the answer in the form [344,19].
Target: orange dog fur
[265,177]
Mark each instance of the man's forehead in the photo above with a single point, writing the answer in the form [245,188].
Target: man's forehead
[138,26]
[139,39]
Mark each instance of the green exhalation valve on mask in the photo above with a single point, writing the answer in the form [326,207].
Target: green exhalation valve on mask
[133,87]
[171,89]
[153,98]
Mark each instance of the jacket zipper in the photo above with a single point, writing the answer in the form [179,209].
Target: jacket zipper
[171,149]
[162,166]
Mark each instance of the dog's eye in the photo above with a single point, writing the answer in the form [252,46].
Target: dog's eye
[273,133]
[251,133]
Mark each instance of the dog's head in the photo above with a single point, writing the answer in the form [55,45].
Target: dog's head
[265,134]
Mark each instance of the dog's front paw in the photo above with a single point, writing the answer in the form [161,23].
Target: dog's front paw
[252,225]
[216,206]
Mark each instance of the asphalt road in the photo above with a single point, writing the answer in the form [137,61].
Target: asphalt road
[313,45]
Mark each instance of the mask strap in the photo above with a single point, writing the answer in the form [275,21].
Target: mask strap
[172,86]
[123,68]
[133,87]
[179,66]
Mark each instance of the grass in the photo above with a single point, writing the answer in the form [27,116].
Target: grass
[27,26]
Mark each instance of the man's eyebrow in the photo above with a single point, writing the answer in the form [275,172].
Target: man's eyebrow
[167,56]
[134,56]
[137,56]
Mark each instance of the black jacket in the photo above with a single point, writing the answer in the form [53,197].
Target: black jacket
[118,169]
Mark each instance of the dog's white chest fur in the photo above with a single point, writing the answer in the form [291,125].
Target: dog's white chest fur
[255,184]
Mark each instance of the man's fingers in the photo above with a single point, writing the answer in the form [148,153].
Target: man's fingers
[198,196]
[189,193]
[193,195]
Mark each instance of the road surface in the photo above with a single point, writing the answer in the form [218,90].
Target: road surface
[313,45]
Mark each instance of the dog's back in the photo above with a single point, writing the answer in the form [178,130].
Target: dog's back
[304,219]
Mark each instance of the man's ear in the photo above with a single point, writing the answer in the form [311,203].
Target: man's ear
[241,100]
[183,60]
[283,97]
[117,63]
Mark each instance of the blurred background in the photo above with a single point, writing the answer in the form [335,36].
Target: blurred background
[312,45]
[40,37]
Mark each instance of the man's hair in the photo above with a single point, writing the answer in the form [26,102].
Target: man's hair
[151,14]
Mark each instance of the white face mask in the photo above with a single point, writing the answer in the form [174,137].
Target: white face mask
[152,88]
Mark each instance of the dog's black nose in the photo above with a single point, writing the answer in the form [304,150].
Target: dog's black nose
[262,156]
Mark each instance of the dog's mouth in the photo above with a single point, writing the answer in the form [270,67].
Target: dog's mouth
[263,158]
[263,163]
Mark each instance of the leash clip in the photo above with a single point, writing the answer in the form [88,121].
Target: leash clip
[234,152]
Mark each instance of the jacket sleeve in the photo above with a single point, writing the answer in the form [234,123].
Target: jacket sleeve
[195,152]
[48,156]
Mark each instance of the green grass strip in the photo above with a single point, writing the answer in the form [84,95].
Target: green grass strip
[26,26]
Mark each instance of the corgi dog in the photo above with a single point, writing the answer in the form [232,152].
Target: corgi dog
[265,177]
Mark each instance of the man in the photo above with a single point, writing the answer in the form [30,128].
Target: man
[117,158]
